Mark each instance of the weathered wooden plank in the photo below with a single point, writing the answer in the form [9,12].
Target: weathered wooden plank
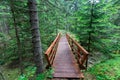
[65,65]
[79,52]
[51,51]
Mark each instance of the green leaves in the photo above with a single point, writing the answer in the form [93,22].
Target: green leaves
[22,77]
[108,70]
[95,18]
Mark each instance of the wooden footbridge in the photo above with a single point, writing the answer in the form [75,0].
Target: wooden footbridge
[67,58]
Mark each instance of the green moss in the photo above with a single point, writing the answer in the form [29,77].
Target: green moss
[108,70]
[30,74]
[10,74]
[47,74]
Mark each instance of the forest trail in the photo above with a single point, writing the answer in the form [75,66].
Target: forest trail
[67,58]
[65,65]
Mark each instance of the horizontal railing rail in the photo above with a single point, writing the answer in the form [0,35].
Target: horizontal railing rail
[51,51]
[80,53]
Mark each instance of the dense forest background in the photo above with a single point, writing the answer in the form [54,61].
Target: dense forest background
[95,24]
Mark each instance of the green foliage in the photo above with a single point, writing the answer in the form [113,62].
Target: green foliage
[30,73]
[61,16]
[3,42]
[2,36]
[22,78]
[45,75]
[93,20]
[108,70]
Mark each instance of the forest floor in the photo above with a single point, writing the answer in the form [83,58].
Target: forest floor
[9,74]
[104,70]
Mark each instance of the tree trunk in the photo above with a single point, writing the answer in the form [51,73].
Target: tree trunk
[90,27]
[17,37]
[56,26]
[37,48]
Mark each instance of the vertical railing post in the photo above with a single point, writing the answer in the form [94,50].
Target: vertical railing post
[86,62]
[51,51]
[49,65]
[72,45]
[83,58]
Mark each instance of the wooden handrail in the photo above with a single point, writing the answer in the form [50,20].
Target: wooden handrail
[51,51]
[80,53]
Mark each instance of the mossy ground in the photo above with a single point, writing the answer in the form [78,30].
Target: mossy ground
[10,74]
[106,70]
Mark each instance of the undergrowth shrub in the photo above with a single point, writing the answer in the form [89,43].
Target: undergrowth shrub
[30,74]
[108,70]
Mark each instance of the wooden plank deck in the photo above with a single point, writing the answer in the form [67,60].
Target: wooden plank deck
[65,65]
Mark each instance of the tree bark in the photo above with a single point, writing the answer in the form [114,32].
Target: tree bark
[37,48]
[90,27]
[56,26]
[17,37]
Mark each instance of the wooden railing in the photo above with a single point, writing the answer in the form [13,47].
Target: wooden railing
[51,51]
[80,53]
